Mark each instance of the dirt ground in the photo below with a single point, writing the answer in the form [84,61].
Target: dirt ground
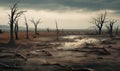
[42,54]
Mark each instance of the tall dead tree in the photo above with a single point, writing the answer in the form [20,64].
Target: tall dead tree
[99,21]
[27,30]
[57,31]
[16,30]
[35,25]
[110,27]
[14,14]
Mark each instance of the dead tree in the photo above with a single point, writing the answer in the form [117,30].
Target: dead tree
[117,29]
[110,27]
[99,21]
[57,31]
[16,29]
[14,14]
[27,30]
[48,30]
[1,31]
[35,25]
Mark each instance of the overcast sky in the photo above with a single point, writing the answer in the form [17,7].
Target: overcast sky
[70,14]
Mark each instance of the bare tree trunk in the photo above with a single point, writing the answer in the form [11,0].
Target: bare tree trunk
[57,31]
[110,27]
[111,32]
[36,30]
[27,35]
[48,30]
[62,31]
[100,31]
[16,31]
[27,30]
[35,25]
[100,21]
[117,30]
[11,41]
[15,13]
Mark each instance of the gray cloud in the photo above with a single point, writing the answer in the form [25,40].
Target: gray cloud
[67,4]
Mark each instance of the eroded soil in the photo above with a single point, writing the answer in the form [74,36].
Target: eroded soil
[44,54]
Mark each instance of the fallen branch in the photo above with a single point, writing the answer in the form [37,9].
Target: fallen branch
[6,56]
[21,56]
[5,66]
[54,64]
[105,50]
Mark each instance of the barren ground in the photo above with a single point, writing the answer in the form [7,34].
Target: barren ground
[42,54]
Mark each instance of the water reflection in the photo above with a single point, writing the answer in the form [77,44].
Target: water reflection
[78,42]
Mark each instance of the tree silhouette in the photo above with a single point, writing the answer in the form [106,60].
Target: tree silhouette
[48,30]
[35,25]
[110,27]
[27,30]
[99,21]
[117,29]
[14,15]
[57,31]
[16,30]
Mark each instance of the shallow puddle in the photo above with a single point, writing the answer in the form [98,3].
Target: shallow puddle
[79,41]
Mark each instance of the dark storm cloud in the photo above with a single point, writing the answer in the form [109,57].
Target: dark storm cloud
[67,4]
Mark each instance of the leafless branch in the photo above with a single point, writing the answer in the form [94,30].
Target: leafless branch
[99,21]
